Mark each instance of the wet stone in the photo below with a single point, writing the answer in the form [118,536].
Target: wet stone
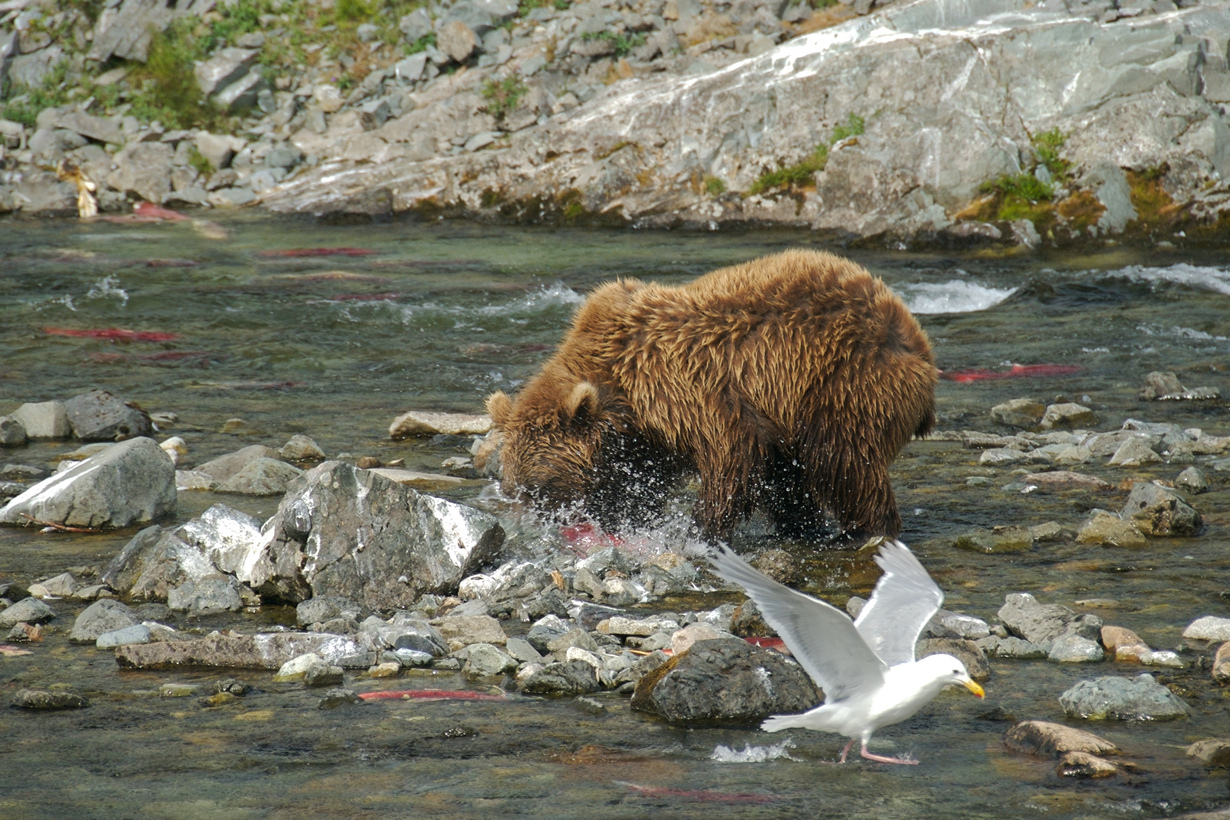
[338,697]
[129,635]
[726,680]
[1192,480]
[1109,529]
[27,611]
[1140,698]
[261,476]
[100,416]
[1085,765]
[1012,647]
[1075,649]
[997,540]
[1208,628]
[1221,663]
[562,679]
[1158,511]
[1213,753]
[1038,737]
[100,617]
[12,433]
[1041,624]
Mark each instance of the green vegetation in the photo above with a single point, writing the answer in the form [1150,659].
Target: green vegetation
[502,96]
[421,44]
[624,43]
[168,90]
[27,103]
[200,162]
[1047,145]
[714,186]
[804,172]
[1024,195]
[524,7]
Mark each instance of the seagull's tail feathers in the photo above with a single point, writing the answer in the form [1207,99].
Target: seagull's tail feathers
[780,723]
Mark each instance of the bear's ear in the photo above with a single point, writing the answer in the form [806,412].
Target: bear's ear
[500,408]
[583,406]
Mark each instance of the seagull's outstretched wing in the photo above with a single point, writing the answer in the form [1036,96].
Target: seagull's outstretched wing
[822,637]
[904,599]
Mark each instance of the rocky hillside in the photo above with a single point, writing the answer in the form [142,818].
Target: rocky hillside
[955,121]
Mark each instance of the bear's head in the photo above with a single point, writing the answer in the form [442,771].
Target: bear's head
[553,436]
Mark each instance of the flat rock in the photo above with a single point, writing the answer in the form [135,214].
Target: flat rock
[1044,739]
[1023,413]
[460,631]
[1058,480]
[418,423]
[235,650]
[40,700]
[127,483]
[1083,764]
[1067,416]
[726,680]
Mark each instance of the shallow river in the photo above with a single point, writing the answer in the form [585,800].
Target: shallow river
[436,317]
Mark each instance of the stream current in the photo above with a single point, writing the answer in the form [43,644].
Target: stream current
[263,326]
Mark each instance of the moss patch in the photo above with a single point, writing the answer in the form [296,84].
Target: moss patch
[803,174]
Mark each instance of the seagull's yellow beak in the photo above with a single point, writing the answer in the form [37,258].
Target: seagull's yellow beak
[973,687]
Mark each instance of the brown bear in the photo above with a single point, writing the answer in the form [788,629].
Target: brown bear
[787,383]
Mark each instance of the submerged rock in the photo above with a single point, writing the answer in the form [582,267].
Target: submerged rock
[1158,511]
[127,483]
[39,700]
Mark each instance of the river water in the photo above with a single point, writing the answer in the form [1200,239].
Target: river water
[435,316]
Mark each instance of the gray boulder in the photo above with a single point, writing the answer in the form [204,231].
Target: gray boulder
[127,483]
[143,169]
[562,679]
[1042,624]
[225,67]
[213,593]
[261,476]
[1140,698]
[26,611]
[348,532]
[48,419]
[106,615]
[726,680]
[12,432]
[231,649]
[230,539]
[100,416]
[1158,511]
[223,468]
[153,563]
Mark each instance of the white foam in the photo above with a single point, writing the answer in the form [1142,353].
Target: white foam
[754,754]
[951,297]
[1196,276]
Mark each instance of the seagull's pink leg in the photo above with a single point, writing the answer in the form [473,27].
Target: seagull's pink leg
[883,759]
[846,751]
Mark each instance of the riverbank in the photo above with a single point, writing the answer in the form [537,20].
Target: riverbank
[929,122]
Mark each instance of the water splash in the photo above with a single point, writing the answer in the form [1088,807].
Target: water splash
[1195,276]
[754,754]
[951,297]
[108,288]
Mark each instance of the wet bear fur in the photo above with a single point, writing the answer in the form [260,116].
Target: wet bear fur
[788,383]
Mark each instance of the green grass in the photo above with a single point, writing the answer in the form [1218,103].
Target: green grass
[623,43]
[1047,145]
[714,186]
[502,96]
[804,172]
[168,88]
[31,102]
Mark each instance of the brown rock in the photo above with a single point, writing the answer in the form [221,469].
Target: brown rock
[1212,753]
[1221,664]
[1038,737]
[1058,480]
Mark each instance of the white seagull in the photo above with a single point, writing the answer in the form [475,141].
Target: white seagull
[865,667]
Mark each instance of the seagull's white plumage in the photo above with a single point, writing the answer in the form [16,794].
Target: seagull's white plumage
[865,667]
